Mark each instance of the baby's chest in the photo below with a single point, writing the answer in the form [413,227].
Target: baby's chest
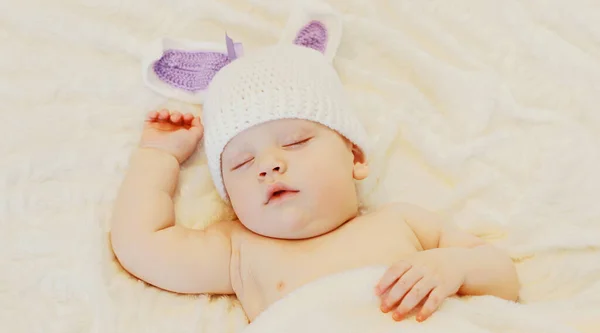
[275,268]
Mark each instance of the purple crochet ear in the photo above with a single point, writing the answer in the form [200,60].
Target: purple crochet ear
[313,35]
[189,70]
[193,70]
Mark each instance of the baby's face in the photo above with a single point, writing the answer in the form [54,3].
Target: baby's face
[292,178]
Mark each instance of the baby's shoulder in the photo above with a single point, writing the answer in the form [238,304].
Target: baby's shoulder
[425,224]
[400,211]
[393,216]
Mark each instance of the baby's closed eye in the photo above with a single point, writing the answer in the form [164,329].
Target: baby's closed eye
[237,161]
[297,142]
[241,162]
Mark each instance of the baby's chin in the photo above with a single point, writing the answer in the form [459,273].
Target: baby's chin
[295,224]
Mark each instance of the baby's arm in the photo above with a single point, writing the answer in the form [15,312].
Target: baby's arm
[145,239]
[490,271]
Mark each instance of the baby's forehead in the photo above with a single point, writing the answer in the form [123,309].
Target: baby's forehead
[275,129]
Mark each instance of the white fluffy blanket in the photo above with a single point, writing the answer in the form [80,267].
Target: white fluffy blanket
[484,110]
[345,302]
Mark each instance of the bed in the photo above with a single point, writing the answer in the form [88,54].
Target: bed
[485,111]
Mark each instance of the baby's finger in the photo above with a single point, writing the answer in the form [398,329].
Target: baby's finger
[400,288]
[196,128]
[433,302]
[196,122]
[152,115]
[390,276]
[163,114]
[188,118]
[416,294]
[176,117]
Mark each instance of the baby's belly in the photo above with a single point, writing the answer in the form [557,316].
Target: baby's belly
[267,276]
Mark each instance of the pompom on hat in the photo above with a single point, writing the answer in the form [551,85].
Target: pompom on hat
[293,79]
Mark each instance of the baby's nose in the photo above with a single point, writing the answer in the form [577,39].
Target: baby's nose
[271,166]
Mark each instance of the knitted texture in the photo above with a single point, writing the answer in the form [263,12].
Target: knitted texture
[189,70]
[277,82]
[313,35]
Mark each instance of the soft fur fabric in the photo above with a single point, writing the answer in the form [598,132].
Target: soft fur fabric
[486,111]
[345,302]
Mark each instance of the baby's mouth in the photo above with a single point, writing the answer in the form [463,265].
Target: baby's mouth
[281,195]
[278,192]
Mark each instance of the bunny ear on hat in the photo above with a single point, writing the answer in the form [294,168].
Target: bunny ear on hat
[183,69]
[314,24]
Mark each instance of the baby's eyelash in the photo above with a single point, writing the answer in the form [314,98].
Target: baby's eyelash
[298,142]
[241,164]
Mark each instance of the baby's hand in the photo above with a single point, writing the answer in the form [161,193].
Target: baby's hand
[173,133]
[428,276]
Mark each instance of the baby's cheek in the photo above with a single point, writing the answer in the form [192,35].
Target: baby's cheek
[244,202]
[330,179]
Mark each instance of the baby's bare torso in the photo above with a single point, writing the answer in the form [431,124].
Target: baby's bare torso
[264,270]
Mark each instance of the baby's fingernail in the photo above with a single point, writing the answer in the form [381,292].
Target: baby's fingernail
[397,316]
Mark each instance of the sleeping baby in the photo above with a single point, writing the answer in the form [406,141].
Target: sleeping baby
[285,151]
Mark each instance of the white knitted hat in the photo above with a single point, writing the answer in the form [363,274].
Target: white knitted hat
[293,79]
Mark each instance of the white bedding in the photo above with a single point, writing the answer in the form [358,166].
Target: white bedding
[345,302]
[483,110]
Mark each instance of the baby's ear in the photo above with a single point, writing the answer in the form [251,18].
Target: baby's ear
[314,25]
[361,166]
